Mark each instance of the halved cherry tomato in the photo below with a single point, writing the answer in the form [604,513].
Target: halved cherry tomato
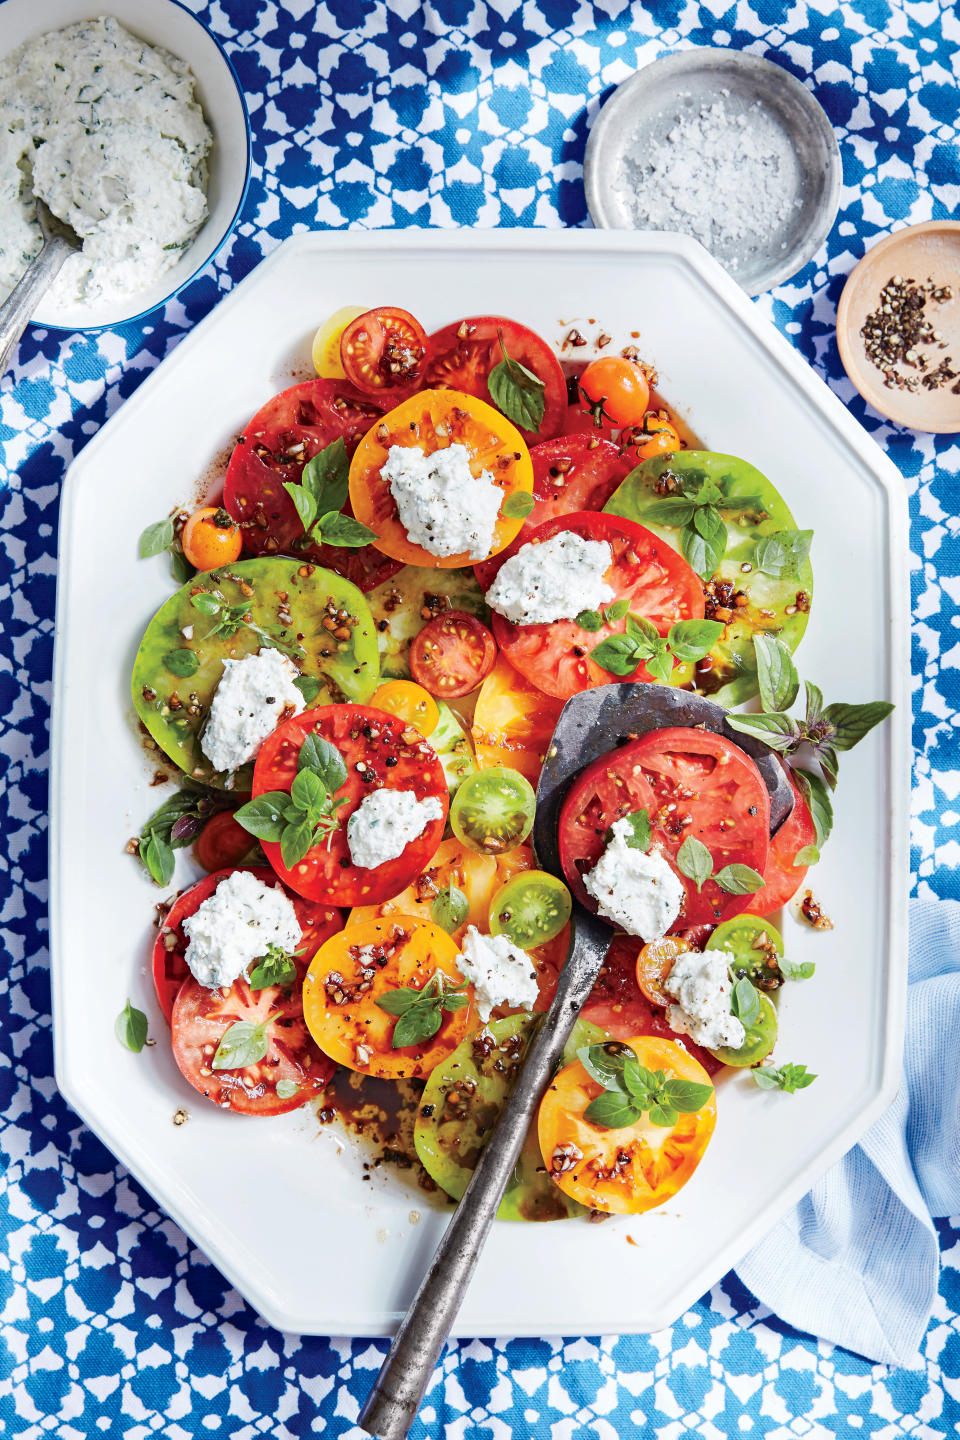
[354,969]
[284,434]
[654,963]
[782,877]
[617,1005]
[647,573]
[210,538]
[431,421]
[222,843]
[326,342]
[317,923]
[292,1064]
[383,351]
[409,702]
[690,782]
[634,1168]
[618,389]
[380,752]
[452,655]
[463,354]
[655,435]
[513,722]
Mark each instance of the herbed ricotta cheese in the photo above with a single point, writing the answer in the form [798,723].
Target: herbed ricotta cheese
[552,580]
[635,889]
[236,925]
[441,504]
[385,822]
[252,695]
[107,130]
[701,985]
[499,971]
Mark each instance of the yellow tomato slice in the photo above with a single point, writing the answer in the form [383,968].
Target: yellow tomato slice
[513,722]
[409,702]
[326,342]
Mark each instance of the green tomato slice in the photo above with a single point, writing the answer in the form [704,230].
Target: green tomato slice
[492,811]
[530,909]
[461,1103]
[760,1039]
[287,601]
[752,510]
[413,597]
[453,748]
[749,939]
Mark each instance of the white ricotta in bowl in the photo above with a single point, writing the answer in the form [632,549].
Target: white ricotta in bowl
[108,132]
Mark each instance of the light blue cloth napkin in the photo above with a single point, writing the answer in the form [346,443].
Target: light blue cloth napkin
[857,1261]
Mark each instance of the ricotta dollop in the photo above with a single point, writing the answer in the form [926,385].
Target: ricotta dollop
[500,972]
[635,889]
[236,925]
[252,695]
[385,822]
[442,505]
[701,985]
[552,580]
[107,130]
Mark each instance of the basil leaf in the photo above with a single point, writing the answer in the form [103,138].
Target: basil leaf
[182,662]
[814,696]
[636,1081]
[590,620]
[286,1089]
[159,859]
[618,654]
[642,630]
[687,1096]
[739,880]
[449,909]
[672,511]
[325,759]
[180,566]
[612,1110]
[398,1002]
[325,478]
[744,1003]
[616,611]
[418,1023]
[130,1028]
[806,855]
[605,1063]
[295,842]
[517,392]
[817,796]
[766,1076]
[779,732]
[829,762]
[639,837]
[662,1114]
[155,539]
[263,817]
[305,502]
[275,968]
[242,1043]
[660,666]
[337,529]
[308,792]
[703,541]
[796,969]
[851,722]
[517,505]
[206,603]
[692,639]
[309,687]
[455,1002]
[782,553]
[695,861]
[776,673]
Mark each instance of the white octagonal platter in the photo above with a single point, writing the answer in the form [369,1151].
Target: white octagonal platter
[281,1205]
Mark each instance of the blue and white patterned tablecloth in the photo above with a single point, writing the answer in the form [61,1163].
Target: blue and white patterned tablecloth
[454,112]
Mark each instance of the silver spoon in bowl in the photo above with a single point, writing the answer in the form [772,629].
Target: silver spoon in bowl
[60,240]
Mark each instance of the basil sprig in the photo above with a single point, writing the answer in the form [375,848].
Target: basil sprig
[596,619]
[130,1028]
[631,1090]
[243,1043]
[642,643]
[419,1012]
[274,968]
[177,821]
[320,497]
[696,513]
[162,536]
[308,815]
[695,861]
[516,391]
[789,1078]
[227,620]
[781,554]
[450,908]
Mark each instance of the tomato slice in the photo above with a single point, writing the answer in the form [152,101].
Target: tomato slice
[222,843]
[635,1167]
[383,352]
[690,782]
[201,1018]
[284,434]
[651,577]
[618,1005]
[431,421]
[463,354]
[782,878]
[317,923]
[513,721]
[380,752]
[452,654]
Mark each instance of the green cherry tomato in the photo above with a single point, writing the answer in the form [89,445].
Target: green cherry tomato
[756,946]
[530,909]
[492,811]
[760,1039]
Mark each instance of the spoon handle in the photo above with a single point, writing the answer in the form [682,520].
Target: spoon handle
[20,304]
[395,1398]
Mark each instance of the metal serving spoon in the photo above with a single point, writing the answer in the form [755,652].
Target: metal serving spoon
[590,724]
[59,241]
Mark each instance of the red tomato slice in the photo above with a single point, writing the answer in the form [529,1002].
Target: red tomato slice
[222,843]
[284,434]
[452,654]
[648,573]
[318,923]
[690,782]
[380,751]
[782,878]
[383,352]
[201,1018]
[463,354]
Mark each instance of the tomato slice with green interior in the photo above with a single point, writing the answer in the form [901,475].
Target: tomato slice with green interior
[284,434]
[383,352]
[463,354]
[530,909]
[513,721]
[452,655]
[754,588]
[380,752]
[757,948]
[782,876]
[653,580]
[690,782]
[760,1039]
[317,923]
[493,810]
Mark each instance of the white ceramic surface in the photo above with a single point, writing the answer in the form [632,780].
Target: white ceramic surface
[341,1255]
[170,25]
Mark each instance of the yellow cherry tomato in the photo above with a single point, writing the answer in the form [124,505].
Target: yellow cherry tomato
[408,702]
[210,538]
[326,342]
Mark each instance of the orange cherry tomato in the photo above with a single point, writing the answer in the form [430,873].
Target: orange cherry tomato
[654,964]
[222,843]
[655,435]
[210,538]
[618,387]
[409,702]
[356,968]
[513,722]
[635,1167]
[430,421]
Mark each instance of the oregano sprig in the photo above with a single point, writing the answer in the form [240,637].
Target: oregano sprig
[695,861]
[276,967]
[419,1013]
[320,496]
[630,1090]
[642,643]
[307,816]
